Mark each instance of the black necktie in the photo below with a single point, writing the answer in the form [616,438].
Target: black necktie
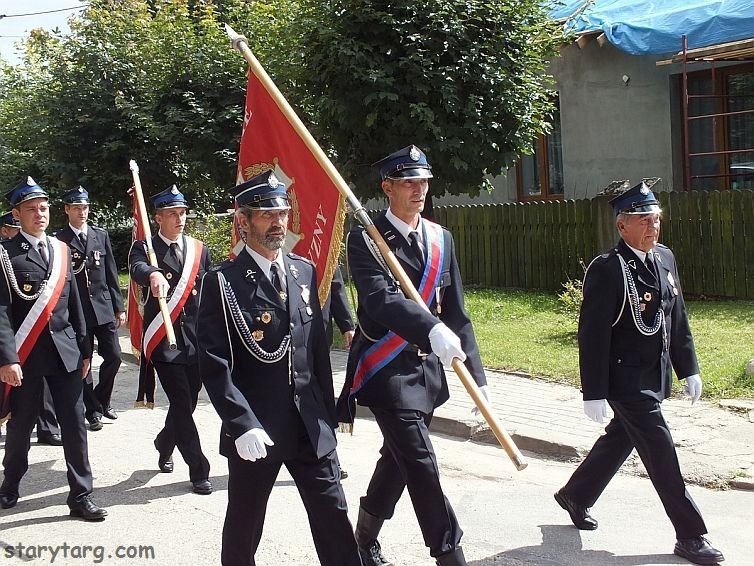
[176,251]
[276,281]
[650,263]
[82,237]
[42,247]
[413,237]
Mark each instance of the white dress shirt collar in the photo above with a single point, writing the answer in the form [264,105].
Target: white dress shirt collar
[179,241]
[78,231]
[265,264]
[404,228]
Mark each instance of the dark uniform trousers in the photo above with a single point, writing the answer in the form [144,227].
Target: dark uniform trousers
[249,487]
[407,459]
[97,280]
[181,383]
[47,423]
[177,370]
[65,390]
[639,424]
[55,358]
[633,372]
[405,392]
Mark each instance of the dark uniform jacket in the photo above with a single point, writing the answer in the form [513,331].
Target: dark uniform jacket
[185,324]
[290,405]
[409,381]
[96,274]
[66,331]
[617,361]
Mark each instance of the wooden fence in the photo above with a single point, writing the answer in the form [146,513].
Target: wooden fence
[540,245]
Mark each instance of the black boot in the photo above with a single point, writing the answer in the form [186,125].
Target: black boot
[453,558]
[367,528]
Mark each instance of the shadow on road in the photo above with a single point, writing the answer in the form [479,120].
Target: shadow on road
[562,546]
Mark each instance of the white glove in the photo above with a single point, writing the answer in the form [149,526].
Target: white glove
[596,409]
[693,387]
[445,344]
[251,444]
[485,389]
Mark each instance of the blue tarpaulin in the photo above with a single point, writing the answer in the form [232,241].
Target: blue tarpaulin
[642,27]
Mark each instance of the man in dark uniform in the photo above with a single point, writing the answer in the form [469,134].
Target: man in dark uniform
[336,308]
[99,289]
[182,263]
[633,332]
[395,360]
[266,367]
[48,431]
[42,337]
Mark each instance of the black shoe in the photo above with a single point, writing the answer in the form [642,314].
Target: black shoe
[110,413]
[87,510]
[372,555]
[165,463]
[697,550]
[51,439]
[8,496]
[202,487]
[95,424]
[579,514]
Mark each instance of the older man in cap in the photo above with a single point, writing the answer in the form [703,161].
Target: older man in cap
[396,358]
[633,332]
[266,367]
[182,262]
[99,289]
[42,337]
[9,226]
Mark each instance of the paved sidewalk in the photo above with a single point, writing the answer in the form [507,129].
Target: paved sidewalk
[715,446]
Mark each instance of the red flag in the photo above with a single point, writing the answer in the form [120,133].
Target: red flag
[135,310]
[318,211]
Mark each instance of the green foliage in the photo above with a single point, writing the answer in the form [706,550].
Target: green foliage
[571,297]
[155,81]
[215,231]
[463,79]
[525,331]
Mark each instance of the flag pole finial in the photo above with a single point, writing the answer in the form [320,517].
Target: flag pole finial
[235,38]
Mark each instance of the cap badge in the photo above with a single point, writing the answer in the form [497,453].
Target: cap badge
[81,189]
[644,190]
[174,190]
[272,181]
[414,153]
[30,181]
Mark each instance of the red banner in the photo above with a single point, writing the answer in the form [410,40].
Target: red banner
[269,141]
[135,310]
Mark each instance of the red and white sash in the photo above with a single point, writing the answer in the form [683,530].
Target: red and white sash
[41,312]
[155,331]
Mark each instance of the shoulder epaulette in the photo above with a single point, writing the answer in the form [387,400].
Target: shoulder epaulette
[221,266]
[301,258]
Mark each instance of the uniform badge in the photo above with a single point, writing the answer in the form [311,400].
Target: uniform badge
[305,293]
[642,306]
[283,296]
[294,271]
[76,255]
[272,181]
[266,317]
[96,255]
[258,335]
[168,276]
[647,296]
[251,275]
[632,263]
[675,290]
[27,287]
[193,291]
[25,245]
[414,153]
[671,280]
[309,310]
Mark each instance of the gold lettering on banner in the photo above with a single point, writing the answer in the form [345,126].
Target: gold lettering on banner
[315,249]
